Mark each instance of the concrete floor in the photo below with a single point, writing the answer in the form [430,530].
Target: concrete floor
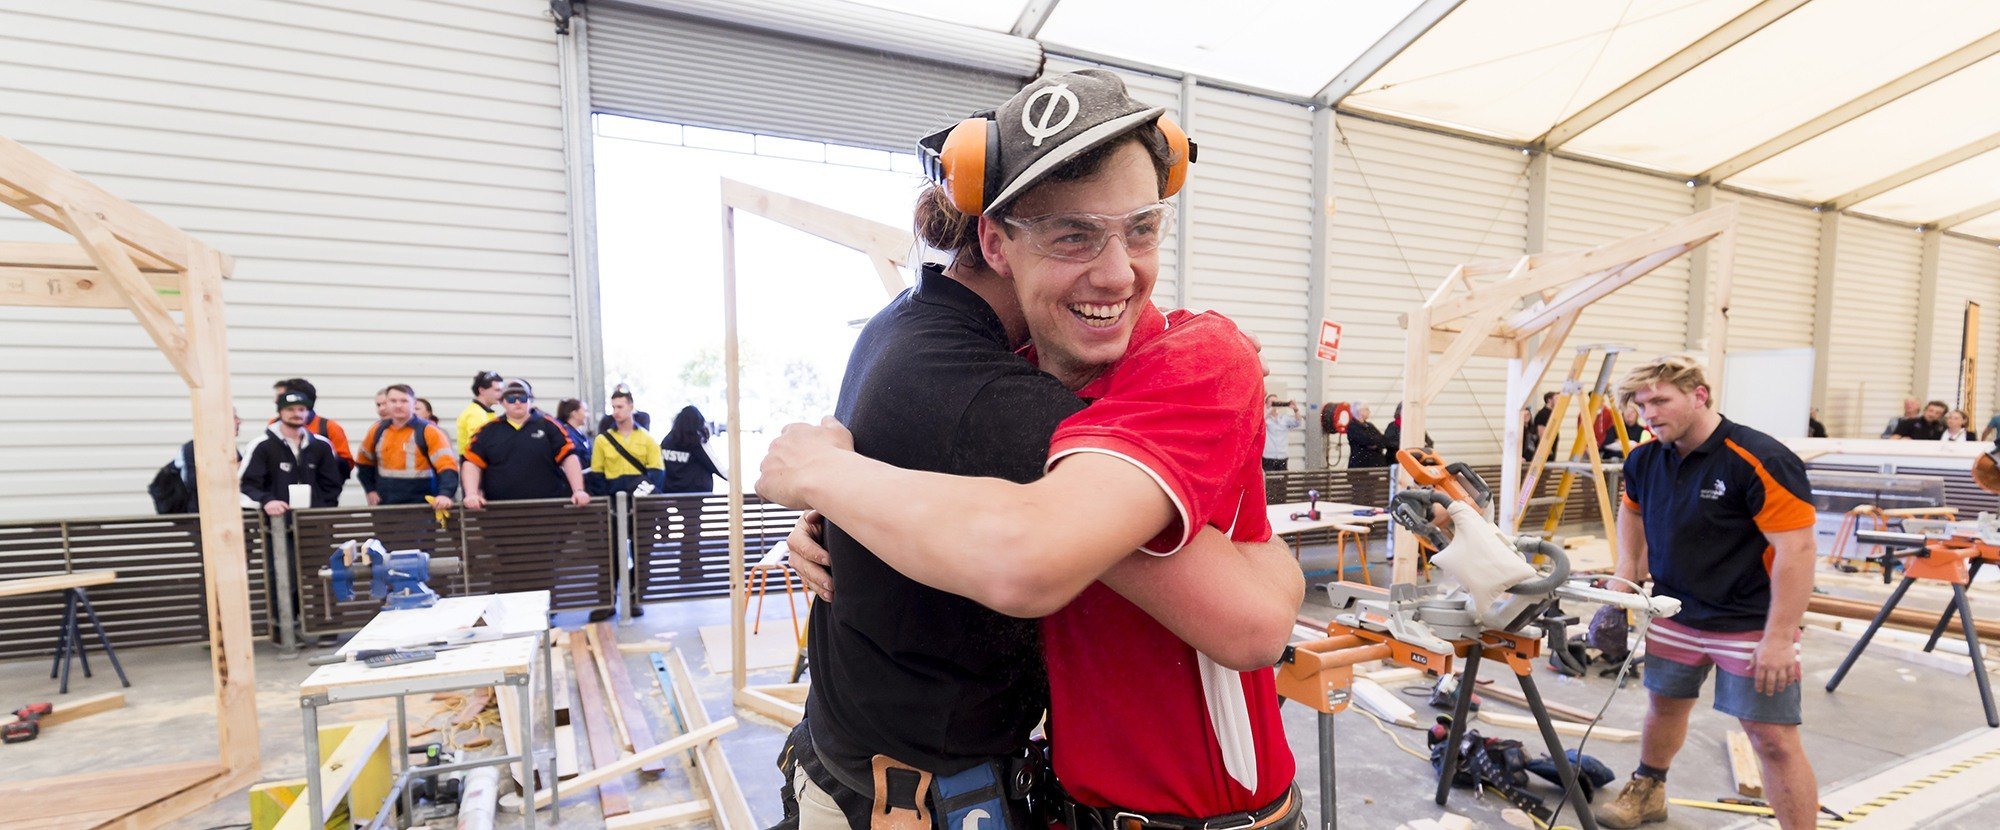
[1886,710]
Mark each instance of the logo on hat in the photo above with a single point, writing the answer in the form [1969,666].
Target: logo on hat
[1058,96]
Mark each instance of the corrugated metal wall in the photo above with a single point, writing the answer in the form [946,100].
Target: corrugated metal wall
[1252,228]
[1591,205]
[391,182]
[1968,271]
[1777,274]
[1874,327]
[1408,206]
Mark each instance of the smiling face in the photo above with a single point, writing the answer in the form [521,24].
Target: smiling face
[1080,314]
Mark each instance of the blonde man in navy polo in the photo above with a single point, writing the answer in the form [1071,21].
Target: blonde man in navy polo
[1720,516]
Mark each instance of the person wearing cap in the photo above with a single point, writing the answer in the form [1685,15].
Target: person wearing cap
[480,412]
[403,458]
[523,454]
[327,428]
[292,454]
[907,664]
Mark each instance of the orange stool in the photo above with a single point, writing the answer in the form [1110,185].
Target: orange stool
[1848,525]
[776,559]
[1358,534]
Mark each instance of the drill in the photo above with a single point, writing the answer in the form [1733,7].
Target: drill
[28,726]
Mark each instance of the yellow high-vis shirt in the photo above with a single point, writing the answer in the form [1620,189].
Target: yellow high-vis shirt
[605,460]
[470,420]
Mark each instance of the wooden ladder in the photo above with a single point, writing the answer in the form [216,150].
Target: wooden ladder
[1584,450]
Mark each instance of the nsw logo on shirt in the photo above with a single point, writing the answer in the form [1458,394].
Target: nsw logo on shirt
[1715,492]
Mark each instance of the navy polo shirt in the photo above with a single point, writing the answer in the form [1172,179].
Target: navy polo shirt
[522,462]
[1706,516]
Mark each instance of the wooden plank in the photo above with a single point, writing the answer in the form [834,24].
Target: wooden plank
[65,288]
[1562,727]
[611,772]
[1744,767]
[588,704]
[341,771]
[94,791]
[56,582]
[760,702]
[70,710]
[602,667]
[1556,710]
[877,240]
[162,811]
[64,255]
[49,184]
[565,736]
[1913,620]
[630,707]
[113,260]
[718,778]
[681,813]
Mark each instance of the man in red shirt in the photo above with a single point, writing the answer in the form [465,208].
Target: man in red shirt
[1140,723]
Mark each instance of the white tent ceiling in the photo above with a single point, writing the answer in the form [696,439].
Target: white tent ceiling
[1884,109]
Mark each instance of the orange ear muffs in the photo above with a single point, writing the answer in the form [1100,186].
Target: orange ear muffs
[1182,154]
[969,162]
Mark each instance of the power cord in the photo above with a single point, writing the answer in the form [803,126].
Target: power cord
[1624,669]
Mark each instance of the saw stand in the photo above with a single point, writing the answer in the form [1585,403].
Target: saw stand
[1320,674]
[1944,560]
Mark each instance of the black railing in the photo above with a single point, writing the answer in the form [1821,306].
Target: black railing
[159,597]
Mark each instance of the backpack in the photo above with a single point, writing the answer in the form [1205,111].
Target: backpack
[419,425]
[169,487]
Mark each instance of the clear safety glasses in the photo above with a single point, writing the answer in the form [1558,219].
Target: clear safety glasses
[1081,237]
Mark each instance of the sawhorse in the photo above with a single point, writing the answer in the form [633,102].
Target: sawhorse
[1944,560]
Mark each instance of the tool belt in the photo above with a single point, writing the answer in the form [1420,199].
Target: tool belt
[992,795]
[1282,814]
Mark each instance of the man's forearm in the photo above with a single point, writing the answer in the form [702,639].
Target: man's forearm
[1631,545]
[1023,550]
[573,470]
[468,477]
[1791,582]
[1234,602]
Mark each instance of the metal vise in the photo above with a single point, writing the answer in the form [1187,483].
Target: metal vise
[397,578]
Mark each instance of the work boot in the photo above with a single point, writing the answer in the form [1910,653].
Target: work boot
[1642,801]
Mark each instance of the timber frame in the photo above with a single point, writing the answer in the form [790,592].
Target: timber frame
[887,249]
[1525,315]
[124,257]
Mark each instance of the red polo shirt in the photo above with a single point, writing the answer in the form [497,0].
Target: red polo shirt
[1138,719]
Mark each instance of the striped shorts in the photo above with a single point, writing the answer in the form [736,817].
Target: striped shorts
[1678,659]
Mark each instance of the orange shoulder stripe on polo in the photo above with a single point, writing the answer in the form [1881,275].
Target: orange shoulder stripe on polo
[1782,510]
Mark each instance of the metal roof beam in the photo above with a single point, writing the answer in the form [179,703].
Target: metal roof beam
[1967,215]
[1371,60]
[1033,17]
[1923,76]
[1694,54]
[1914,172]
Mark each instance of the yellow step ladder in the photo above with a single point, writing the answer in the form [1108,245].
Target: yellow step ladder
[1584,452]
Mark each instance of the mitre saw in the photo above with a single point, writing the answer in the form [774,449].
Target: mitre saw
[398,578]
[1490,584]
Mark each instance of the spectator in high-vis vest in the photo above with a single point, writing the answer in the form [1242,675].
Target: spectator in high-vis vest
[404,458]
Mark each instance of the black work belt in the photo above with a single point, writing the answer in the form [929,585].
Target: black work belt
[1280,814]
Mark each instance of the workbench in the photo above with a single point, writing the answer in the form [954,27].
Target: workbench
[1344,518]
[505,662]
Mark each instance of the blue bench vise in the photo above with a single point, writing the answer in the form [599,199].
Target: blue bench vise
[398,578]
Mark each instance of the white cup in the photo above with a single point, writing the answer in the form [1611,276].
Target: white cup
[302,496]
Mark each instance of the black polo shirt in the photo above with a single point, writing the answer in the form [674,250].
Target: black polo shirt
[929,678]
[523,462]
[1706,516]
[1920,429]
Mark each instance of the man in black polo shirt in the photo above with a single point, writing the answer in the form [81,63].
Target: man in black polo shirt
[521,455]
[1721,516]
[1928,426]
